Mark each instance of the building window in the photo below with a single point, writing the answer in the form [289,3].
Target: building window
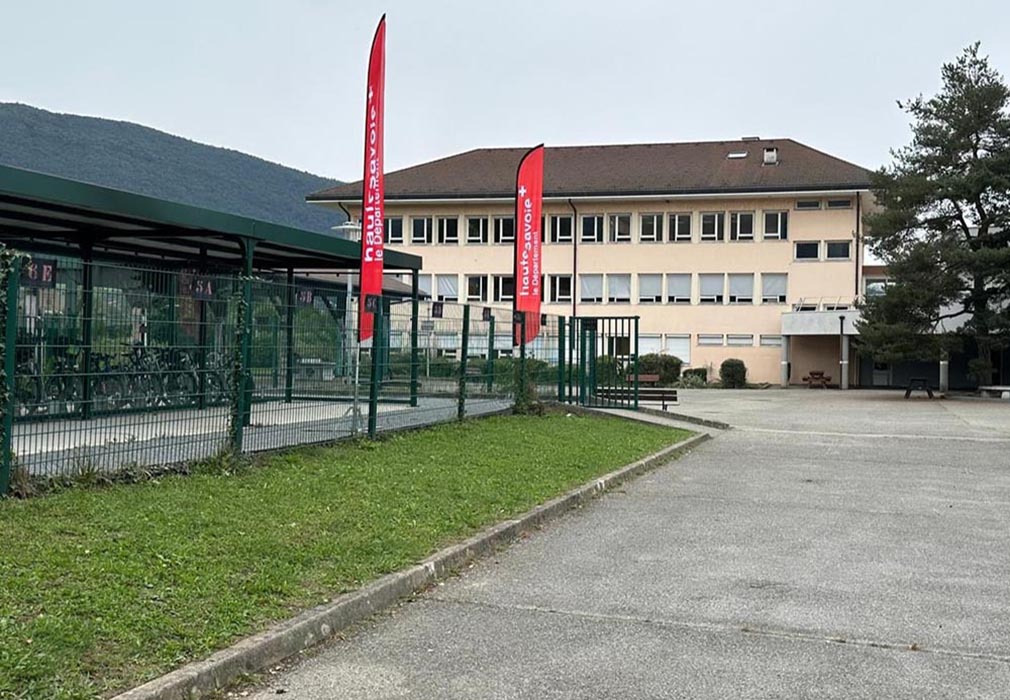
[808,250]
[504,288]
[448,230]
[808,204]
[394,229]
[712,226]
[620,228]
[420,232]
[680,228]
[773,288]
[650,289]
[591,289]
[741,289]
[776,225]
[560,288]
[424,284]
[679,345]
[710,339]
[678,288]
[561,229]
[650,344]
[650,228]
[447,287]
[771,341]
[476,288]
[875,286]
[504,229]
[740,340]
[710,288]
[839,204]
[592,229]
[619,289]
[476,230]
[741,226]
[838,250]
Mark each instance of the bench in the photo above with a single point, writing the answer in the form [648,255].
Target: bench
[626,394]
[918,384]
[649,379]
[995,391]
[817,378]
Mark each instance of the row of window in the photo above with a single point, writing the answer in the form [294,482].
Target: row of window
[597,228]
[679,344]
[616,288]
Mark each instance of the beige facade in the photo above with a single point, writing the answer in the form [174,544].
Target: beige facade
[698,297]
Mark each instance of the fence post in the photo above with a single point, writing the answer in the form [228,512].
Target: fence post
[522,358]
[87,329]
[561,359]
[490,354]
[634,362]
[10,321]
[376,373]
[414,315]
[289,339]
[464,350]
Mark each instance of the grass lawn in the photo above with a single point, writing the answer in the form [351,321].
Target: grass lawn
[103,589]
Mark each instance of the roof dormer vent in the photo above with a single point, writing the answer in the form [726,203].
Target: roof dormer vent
[734,155]
[771,156]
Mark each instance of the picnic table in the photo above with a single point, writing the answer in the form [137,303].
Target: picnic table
[817,378]
[918,384]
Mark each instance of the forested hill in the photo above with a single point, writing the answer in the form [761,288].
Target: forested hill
[131,157]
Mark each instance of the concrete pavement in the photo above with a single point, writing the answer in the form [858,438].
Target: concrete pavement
[830,546]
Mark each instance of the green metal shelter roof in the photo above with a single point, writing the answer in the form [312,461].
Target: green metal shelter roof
[56,215]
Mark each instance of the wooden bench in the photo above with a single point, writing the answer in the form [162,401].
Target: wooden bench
[817,378]
[626,394]
[918,384]
[648,379]
[995,391]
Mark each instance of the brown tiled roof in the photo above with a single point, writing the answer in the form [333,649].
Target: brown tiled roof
[636,169]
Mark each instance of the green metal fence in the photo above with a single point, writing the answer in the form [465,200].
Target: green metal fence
[111,366]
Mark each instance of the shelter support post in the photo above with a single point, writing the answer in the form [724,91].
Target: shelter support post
[414,323]
[289,338]
[87,330]
[944,373]
[10,336]
[463,353]
[784,362]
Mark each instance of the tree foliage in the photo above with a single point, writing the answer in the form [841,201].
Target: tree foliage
[943,227]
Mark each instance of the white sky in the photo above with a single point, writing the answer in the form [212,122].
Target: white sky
[284,79]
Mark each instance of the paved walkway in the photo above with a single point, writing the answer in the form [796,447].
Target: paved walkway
[842,546]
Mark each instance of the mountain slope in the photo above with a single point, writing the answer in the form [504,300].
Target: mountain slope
[137,158]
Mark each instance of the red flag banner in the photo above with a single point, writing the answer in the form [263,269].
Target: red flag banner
[527,264]
[373,184]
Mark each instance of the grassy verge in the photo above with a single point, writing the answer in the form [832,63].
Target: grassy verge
[103,589]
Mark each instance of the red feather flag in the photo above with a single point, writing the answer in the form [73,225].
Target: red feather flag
[527,269]
[373,190]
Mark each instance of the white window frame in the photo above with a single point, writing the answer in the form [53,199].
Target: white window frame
[711,340]
[388,230]
[442,224]
[779,298]
[555,236]
[650,299]
[675,234]
[592,300]
[720,227]
[428,232]
[424,283]
[482,296]
[882,281]
[499,292]
[740,340]
[838,203]
[657,228]
[741,298]
[554,295]
[734,226]
[612,298]
[834,258]
[686,346]
[439,296]
[770,341]
[598,237]
[781,224]
[807,205]
[483,237]
[613,227]
[500,238]
[710,299]
[796,251]
[680,299]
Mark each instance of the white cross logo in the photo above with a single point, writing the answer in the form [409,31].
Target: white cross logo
[369,93]
[522,190]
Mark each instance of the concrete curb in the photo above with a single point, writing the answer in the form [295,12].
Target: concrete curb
[311,627]
[708,423]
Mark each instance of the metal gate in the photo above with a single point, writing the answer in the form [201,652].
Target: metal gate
[603,357]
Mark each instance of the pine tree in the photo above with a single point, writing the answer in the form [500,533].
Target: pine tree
[943,226]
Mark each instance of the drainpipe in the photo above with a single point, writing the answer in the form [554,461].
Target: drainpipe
[346,213]
[575,255]
[859,248]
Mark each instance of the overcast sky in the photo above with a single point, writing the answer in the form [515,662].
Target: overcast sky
[284,79]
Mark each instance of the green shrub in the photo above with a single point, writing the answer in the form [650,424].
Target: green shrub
[609,371]
[691,381]
[666,366]
[697,372]
[733,374]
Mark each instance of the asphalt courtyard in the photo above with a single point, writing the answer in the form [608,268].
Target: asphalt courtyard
[841,545]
